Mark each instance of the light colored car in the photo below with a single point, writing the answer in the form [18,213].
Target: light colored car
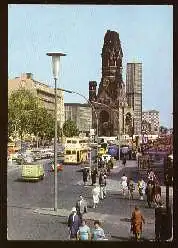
[32,172]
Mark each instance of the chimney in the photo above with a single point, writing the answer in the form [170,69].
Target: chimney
[26,76]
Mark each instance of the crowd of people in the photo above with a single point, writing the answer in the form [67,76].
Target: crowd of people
[151,189]
[78,228]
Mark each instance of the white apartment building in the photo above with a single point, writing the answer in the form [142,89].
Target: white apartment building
[153,118]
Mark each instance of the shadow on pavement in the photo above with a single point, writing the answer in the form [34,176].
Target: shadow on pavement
[25,180]
[125,219]
[128,239]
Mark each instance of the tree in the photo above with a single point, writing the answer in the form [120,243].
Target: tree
[163,130]
[70,129]
[39,122]
[21,104]
[50,127]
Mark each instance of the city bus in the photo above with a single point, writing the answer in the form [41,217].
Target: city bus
[76,150]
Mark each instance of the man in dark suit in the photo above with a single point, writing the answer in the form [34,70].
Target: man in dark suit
[74,221]
[85,175]
[93,176]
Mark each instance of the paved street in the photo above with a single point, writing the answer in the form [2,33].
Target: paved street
[29,204]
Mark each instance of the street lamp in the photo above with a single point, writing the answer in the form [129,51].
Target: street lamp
[91,105]
[55,68]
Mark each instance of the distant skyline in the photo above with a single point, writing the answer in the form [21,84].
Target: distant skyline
[146,34]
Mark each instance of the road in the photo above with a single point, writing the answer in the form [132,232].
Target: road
[25,199]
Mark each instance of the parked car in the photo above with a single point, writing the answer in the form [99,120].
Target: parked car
[24,158]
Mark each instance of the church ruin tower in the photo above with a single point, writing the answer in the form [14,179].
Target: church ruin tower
[111,81]
[110,103]
[111,90]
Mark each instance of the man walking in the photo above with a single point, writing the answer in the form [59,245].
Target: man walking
[74,221]
[149,193]
[131,188]
[85,175]
[102,183]
[124,161]
[93,176]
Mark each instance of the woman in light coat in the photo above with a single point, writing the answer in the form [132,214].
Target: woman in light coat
[95,193]
[124,184]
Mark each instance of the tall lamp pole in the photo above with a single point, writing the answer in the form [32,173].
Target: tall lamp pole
[91,105]
[55,68]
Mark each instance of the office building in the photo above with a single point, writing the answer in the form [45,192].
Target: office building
[134,93]
[41,90]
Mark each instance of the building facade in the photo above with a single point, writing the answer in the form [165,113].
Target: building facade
[44,93]
[153,118]
[134,94]
[81,114]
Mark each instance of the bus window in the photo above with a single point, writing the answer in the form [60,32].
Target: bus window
[74,142]
[68,141]
[68,152]
[73,152]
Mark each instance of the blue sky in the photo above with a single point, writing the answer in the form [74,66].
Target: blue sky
[146,34]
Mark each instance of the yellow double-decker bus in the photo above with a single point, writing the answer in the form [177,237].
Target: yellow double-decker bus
[76,150]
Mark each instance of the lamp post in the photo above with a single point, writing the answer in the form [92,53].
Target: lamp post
[55,68]
[77,93]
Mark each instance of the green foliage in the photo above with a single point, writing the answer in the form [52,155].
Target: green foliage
[70,129]
[20,106]
[163,129]
[27,115]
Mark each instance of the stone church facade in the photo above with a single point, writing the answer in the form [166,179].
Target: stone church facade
[110,102]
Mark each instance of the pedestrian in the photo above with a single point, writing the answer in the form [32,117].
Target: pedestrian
[108,168]
[123,184]
[149,193]
[98,232]
[74,221]
[159,225]
[84,232]
[151,175]
[124,160]
[81,206]
[85,175]
[141,188]
[131,188]
[95,193]
[112,162]
[136,223]
[157,194]
[102,183]
[93,176]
